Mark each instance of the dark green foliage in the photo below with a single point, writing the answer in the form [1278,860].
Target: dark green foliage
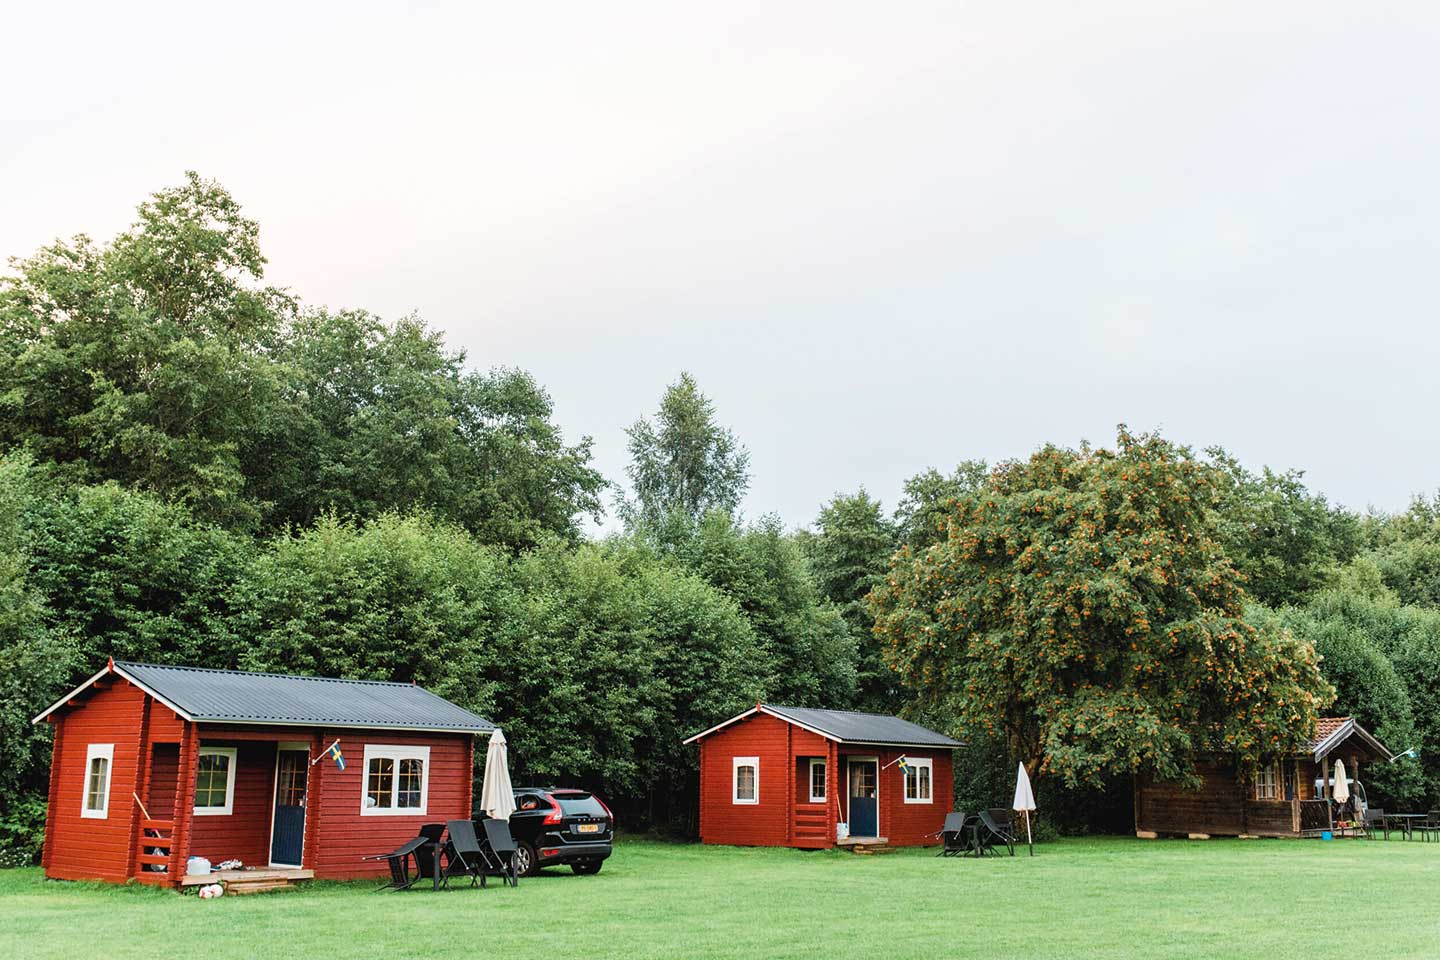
[929,498]
[146,361]
[806,645]
[849,554]
[1285,540]
[384,418]
[1384,661]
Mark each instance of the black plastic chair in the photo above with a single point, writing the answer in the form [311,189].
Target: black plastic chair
[463,856]
[955,835]
[498,849]
[1375,818]
[399,860]
[1429,828]
[989,833]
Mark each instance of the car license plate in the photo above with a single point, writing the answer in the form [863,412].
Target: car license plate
[587,828]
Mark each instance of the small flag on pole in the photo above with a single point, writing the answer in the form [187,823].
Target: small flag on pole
[904,764]
[333,752]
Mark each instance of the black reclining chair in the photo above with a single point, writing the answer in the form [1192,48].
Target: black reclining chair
[462,855]
[990,833]
[498,850]
[955,835]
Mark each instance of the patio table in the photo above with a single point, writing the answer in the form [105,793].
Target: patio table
[1406,822]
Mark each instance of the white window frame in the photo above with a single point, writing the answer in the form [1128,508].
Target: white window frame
[824,784]
[396,752]
[1276,783]
[915,763]
[93,752]
[231,771]
[735,764]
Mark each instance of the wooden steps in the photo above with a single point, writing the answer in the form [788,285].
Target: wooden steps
[865,845]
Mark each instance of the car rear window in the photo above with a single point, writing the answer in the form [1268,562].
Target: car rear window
[579,805]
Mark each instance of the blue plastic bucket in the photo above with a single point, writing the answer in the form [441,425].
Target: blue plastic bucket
[1327,835]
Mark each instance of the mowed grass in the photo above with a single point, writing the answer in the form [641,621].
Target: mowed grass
[1102,898]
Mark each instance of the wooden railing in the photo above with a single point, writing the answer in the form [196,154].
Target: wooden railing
[154,835]
[1315,816]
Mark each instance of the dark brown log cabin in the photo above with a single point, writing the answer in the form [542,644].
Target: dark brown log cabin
[1286,798]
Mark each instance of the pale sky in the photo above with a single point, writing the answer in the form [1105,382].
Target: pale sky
[883,237]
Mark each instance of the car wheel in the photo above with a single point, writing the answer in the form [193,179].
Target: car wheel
[526,863]
[587,869]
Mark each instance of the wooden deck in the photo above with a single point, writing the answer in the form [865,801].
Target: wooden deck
[249,881]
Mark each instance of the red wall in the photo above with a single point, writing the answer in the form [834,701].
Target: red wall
[756,825]
[87,849]
[909,824]
[344,836]
[780,747]
[243,834]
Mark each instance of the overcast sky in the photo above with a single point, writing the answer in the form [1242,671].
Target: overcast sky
[883,237]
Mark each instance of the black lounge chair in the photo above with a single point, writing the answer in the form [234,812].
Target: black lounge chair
[955,835]
[990,833]
[399,860]
[462,854]
[498,850]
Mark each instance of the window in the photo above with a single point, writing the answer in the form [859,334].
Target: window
[746,785]
[817,781]
[396,780]
[98,758]
[1267,783]
[215,782]
[917,781]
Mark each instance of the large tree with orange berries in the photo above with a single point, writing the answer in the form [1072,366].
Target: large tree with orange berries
[1080,606]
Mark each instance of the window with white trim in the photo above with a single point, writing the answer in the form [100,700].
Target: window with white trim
[215,782]
[745,785]
[818,771]
[1267,783]
[397,781]
[918,776]
[99,757]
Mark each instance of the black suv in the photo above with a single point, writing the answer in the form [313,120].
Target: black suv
[555,825]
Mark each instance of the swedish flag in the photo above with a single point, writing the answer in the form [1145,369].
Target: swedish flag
[336,755]
[904,764]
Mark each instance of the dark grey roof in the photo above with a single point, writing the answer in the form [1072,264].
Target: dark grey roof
[849,726]
[230,696]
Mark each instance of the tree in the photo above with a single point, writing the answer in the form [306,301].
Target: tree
[146,362]
[383,418]
[1363,643]
[929,497]
[1082,608]
[806,647]
[1285,540]
[849,554]
[683,464]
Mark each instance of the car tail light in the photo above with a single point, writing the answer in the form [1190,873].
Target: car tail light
[549,851]
[555,815]
[607,811]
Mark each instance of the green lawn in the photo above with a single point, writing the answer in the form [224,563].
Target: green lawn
[1081,898]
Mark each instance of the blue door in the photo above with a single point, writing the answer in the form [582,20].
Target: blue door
[864,798]
[287,841]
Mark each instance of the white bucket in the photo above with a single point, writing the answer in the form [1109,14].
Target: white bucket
[842,831]
[197,866]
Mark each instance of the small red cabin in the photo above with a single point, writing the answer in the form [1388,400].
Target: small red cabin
[153,765]
[786,776]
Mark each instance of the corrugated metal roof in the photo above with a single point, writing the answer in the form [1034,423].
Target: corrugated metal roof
[849,726]
[231,696]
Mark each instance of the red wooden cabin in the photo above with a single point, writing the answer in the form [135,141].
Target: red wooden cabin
[785,776]
[153,765]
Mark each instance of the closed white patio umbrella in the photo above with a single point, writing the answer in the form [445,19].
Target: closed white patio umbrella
[1024,800]
[497,796]
[1341,789]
